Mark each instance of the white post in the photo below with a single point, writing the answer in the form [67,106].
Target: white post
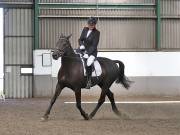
[2,96]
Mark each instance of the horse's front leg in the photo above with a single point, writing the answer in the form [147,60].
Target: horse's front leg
[78,104]
[56,94]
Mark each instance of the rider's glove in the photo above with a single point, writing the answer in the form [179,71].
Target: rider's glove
[82,47]
[86,56]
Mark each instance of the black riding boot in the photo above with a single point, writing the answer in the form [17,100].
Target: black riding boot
[88,73]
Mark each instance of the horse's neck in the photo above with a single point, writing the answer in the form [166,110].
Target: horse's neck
[70,51]
[69,57]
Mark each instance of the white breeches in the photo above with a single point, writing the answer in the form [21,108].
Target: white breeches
[90,60]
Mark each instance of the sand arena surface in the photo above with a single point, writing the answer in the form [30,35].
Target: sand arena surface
[22,117]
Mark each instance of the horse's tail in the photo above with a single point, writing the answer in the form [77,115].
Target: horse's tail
[122,78]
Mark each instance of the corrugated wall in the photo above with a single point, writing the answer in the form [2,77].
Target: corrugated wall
[170,7]
[18,36]
[51,29]
[18,46]
[117,30]
[99,1]
[100,12]
[115,33]
[17,50]
[16,1]
[170,37]
[16,85]
[170,28]
[118,26]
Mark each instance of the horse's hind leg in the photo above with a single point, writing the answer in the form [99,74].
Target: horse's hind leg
[100,102]
[57,93]
[113,104]
[78,104]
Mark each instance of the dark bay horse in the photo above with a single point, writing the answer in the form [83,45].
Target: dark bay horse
[71,75]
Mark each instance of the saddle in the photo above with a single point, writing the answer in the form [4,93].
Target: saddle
[96,67]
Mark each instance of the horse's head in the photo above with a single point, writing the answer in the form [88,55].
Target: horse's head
[62,46]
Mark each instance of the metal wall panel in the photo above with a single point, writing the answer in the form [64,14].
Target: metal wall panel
[18,22]
[97,1]
[54,21]
[170,7]
[99,12]
[118,22]
[115,33]
[18,36]
[122,34]
[18,47]
[16,1]
[50,30]
[170,24]
[170,37]
[17,86]
[18,50]
[16,4]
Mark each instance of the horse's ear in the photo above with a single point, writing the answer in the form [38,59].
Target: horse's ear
[61,35]
[68,37]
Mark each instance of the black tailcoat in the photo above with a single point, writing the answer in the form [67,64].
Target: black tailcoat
[90,42]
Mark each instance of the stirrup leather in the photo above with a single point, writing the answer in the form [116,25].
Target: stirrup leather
[88,85]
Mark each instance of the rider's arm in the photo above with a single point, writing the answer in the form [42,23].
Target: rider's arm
[81,39]
[95,42]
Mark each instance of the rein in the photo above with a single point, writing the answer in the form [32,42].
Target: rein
[62,50]
[70,57]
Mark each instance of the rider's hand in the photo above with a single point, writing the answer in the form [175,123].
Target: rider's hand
[86,56]
[82,47]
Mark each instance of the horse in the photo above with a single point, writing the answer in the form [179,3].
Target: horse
[71,75]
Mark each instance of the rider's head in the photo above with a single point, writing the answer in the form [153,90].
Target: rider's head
[92,21]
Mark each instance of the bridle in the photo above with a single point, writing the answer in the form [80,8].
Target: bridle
[60,52]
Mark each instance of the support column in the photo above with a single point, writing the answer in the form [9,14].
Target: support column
[36,24]
[158,25]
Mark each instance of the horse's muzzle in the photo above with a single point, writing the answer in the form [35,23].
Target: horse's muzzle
[55,56]
[57,53]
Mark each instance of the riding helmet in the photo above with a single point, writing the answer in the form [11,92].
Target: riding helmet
[92,20]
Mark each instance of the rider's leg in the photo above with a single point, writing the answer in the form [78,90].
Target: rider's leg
[88,73]
[89,62]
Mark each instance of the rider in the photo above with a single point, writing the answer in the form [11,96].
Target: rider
[88,42]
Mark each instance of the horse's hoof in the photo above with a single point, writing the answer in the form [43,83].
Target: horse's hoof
[86,116]
[122,115]
[91,116]
[44,118]
[117,113]
[125,116]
